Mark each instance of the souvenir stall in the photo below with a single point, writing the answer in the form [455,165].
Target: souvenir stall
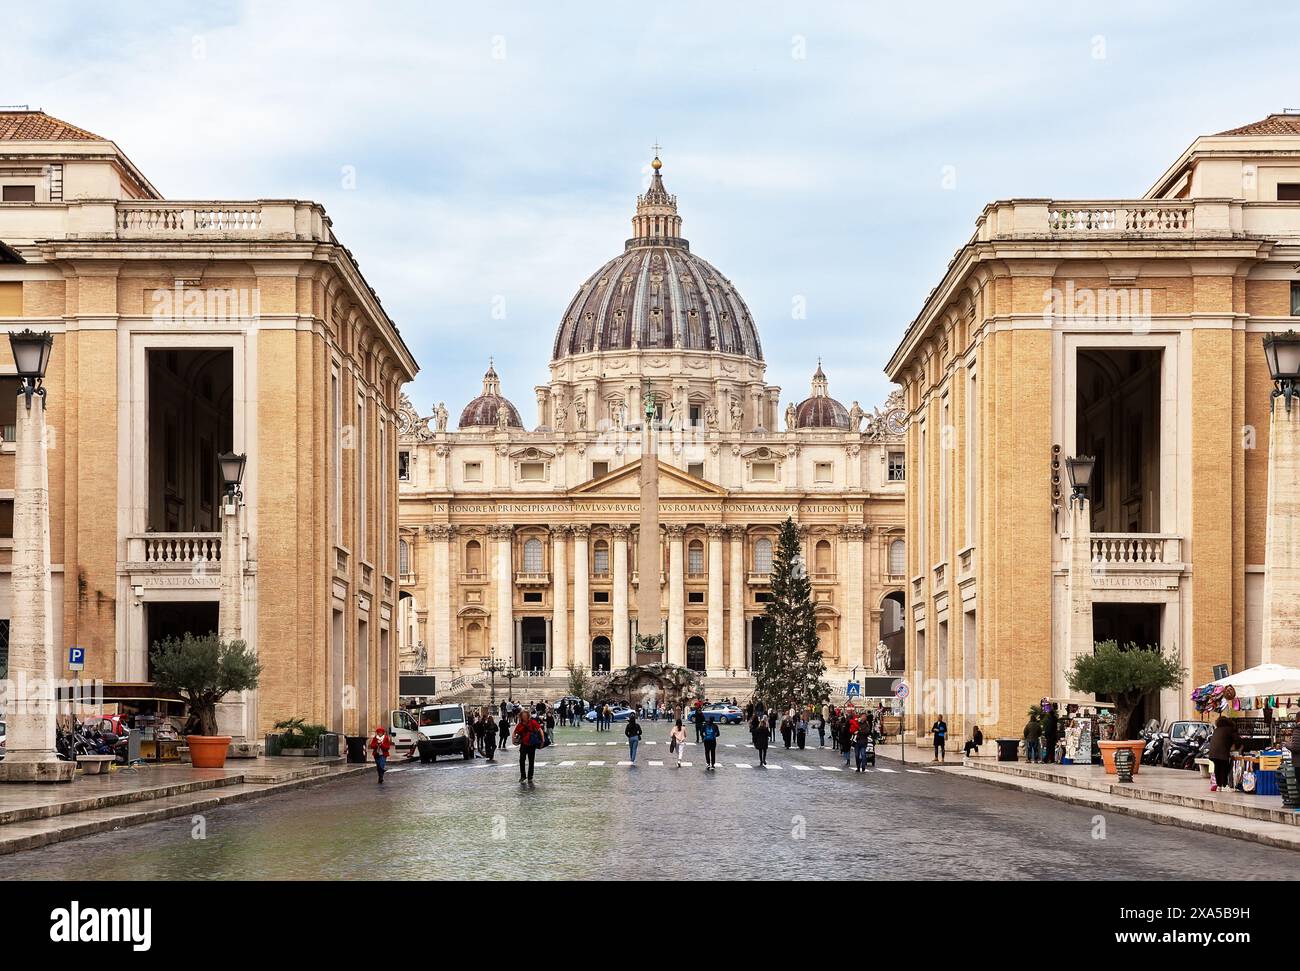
[1084,726]
[1264,701]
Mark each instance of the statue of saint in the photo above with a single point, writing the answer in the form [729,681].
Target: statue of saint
[737,414]
[855,418]
[791,417]
[711,418]
[440,418]
[503,418]
[561,414]
[580,412]
[882,658]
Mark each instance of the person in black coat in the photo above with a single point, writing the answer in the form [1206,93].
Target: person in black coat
[1222,742]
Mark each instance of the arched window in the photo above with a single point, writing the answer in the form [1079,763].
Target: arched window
[600,654]
[822,558]
[695,653]
[473,557]
[533,556]
[695,557]
[897,558]
[403,556]
[600,558]
[763,556]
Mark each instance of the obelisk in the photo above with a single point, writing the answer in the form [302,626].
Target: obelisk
[648,609]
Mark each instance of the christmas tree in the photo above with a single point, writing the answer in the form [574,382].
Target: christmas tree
[791,671]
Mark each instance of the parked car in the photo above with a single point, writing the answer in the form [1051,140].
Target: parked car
[444,726]
[727,714]
[618,713]
[572,700]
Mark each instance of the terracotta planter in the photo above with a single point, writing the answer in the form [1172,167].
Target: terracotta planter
[1108,750]
[208,751]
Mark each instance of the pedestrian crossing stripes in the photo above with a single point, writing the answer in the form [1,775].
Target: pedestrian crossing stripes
[659,764]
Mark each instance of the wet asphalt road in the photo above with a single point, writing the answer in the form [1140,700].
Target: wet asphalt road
[796,819]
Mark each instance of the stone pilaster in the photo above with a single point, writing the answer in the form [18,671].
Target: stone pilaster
[853,584]
[1078,612]
[676,595]
[737,658]
[441,536]
[581,597]
[1282,539]
[620,645]
[560,645]
[503,643]
[714,654]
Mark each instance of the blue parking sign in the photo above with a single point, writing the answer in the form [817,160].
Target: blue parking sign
[76,659]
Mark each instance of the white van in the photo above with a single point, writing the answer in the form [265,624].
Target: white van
[445,726]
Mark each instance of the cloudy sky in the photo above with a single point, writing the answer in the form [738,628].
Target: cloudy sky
[487,155]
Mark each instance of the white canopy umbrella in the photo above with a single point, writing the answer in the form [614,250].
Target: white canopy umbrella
[1265,679]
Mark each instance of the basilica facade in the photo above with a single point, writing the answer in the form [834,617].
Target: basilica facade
[522,545]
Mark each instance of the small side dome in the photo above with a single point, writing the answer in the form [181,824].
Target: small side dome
[485,410]
[820,410]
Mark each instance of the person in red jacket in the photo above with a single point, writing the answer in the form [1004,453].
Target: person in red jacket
[380,744]
[528,736]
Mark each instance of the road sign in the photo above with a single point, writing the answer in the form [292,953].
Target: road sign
[76,659]
[854,690]
[902,690]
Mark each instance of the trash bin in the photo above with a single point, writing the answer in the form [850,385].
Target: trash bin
[1008,749]
[356,748]
[327,746]
[273,743]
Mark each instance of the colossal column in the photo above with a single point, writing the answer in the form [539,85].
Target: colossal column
[441,536]
[581,598]
[504,642]
[676,595]
[738,660]
[853,536]
[560,599]
[621,655]
[714,654]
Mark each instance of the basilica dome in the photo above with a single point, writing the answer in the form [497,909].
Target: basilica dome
[485,410]
[820,410]
[657,294]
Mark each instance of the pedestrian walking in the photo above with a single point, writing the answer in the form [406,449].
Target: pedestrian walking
[528,736]
[939,732]
[786,730]
[677,742]
[845,740]
[821,730]
[380,745]
[550,727]
[633,733]
[504,728]
[489,736]
[801,731]
[711,734]
[860,740]
[762,735]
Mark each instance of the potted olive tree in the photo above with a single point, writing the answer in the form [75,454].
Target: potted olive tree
[203,670]
[1127,674]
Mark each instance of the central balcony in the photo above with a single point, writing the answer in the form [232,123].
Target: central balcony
[173,551]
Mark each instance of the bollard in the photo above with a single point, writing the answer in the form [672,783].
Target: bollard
[1124,765]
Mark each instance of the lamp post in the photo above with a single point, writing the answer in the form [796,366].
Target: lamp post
[1078,617]
[1281,641]
[30,754]
[511,672]
[491,665]
[230,611]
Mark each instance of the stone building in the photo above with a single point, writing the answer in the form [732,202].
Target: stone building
[183,329]
[1131,331]
[523,545]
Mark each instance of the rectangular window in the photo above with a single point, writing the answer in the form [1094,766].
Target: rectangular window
[6,519]
[4,648]
[763,597]
[897,467]
[763,471]
[696,469]
[404,466]
[532,471]
[1288,191]
[1295,299]
[532,597]
[695,596]
[695,415]
[600,561]
[600,596]
[695,559]
[823,472]
[8,408]
[598,469]
[19,193]
[473,471]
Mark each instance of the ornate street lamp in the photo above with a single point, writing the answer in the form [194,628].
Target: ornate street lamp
[1283,353]
[31,357]
[491,665]
[232,472]
[1080,469]
[30,755]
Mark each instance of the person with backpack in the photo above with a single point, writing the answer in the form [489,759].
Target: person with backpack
[633,733]
[762,735]
[860,741]
[528,736]
[677,742]
[710,739]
